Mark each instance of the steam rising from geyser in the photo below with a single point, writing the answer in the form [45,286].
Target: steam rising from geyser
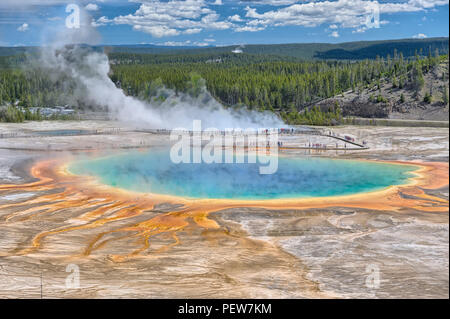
[89,69]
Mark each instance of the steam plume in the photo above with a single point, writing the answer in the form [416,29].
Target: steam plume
[89,70]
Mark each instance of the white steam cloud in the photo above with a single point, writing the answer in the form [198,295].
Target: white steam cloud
[89,70]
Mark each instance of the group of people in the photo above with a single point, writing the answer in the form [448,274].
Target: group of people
[317,145]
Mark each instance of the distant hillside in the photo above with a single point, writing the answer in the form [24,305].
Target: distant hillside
[9,51]
[372,49]
[307,51]
[340,51]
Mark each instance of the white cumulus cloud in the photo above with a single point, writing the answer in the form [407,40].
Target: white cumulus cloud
[24,27]
[342,13]
[91,7]
[235,18]
[161,18]
[419,36]
[334,34]
[172,18]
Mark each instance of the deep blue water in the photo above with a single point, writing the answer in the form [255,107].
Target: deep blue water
[153,172]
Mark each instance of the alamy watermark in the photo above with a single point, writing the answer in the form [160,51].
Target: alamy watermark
[74,17]
[73,279]
[229,146]
[373,16]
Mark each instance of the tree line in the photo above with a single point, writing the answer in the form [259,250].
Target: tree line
[286,86]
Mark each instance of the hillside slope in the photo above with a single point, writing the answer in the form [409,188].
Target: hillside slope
[387,100]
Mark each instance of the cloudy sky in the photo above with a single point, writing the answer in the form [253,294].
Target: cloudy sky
[225,22]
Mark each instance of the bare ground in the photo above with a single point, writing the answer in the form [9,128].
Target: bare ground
[256,253]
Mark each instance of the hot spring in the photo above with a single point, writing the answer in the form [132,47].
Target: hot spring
[301,177]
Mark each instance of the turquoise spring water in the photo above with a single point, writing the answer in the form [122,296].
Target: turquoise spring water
[153,172]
